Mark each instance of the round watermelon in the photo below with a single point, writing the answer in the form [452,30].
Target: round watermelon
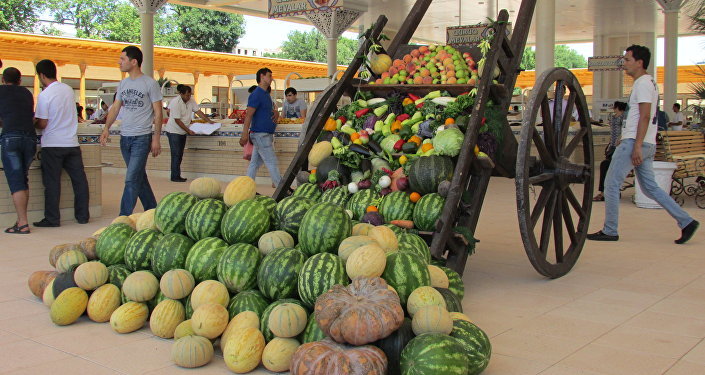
[339,196]
[428,171]
[453,303]
[111,244]
[237,268]
[319,273]
[434,353]
[170,253]
[117,273]
[476,345]
[203,219]
[249,300]
[359,202]
[138,252]
[289,213]
[312,332]
[310,191]
[279,273]
[323,228]
[427,210]
[412,243]
[269,204]
[202,260]
[170,215]
[245,222]
[455,282]
[396,206]
[406,272]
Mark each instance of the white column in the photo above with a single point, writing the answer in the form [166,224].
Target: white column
[147,42]
[332,55]
[545,22]
[492,9]
[670,87]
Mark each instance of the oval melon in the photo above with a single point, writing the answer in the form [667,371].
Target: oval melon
[69,306]
[103,302]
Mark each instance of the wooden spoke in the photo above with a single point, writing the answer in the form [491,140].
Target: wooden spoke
[568,150]
[558,226]
[547,219]
[540,205]
[574,202]
[568,219]
[543,177]
[565,125]
[544,155]
[548,129]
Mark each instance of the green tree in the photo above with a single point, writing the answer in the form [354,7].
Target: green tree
[565,57]
[20,15]
[123,25]
[312,46]
[85,15]
[207,29]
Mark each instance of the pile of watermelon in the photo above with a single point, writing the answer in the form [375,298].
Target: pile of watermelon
[199,269]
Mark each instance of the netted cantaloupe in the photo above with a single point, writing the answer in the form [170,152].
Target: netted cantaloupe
[287,320]
[90,275]
[177,283]
[352,243]
[422,297]
[70,258]
[366,261]
[140,286]
[385,237]
[125,220]
[146,220]
[192,351]
[439,278]
[205,187]
[432,319]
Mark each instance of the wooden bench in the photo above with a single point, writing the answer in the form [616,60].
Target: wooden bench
[687,149]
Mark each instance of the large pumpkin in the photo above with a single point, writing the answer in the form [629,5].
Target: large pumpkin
[361,313]
[327,357]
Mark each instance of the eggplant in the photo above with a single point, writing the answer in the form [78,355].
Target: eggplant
[360,149]
[325,136]
[374,146]
[332,163]
[366,166]
[344,137]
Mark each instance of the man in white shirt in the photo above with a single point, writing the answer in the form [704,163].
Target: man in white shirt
[101,112]
[677,123]
[636,151]
[57,117]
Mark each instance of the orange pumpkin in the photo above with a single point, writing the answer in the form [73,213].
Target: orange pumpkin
[363,312]
[327,357]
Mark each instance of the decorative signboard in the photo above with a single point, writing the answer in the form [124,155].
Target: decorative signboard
[288,8]
[469,35]
[605,63]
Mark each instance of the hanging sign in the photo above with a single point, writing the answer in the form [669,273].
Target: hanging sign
[605,63]
[288,8]
[469,35]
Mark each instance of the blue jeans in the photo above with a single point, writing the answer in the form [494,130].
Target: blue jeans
[135,150]
[17,151]
[619,168]
[177,143]
[264,152]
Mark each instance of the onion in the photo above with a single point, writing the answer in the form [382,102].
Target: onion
[384,181]
[352,188]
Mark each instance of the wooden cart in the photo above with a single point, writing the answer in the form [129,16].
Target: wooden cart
[553,187]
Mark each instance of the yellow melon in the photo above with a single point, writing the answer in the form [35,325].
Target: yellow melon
[192,351]
[422,297]
[129,317]
[183,329]
[277,354]
[97,233]
[103,302]
[287,320]
[239,189]
[459,316]
[243,351]
[209,320]
[439,279]
[146,220]
[135,217]
[69,306]
[205,187]
[177,283]
[353,243]
[209,291]
[319,151]
[245,319]
[125,220]
[366,261]
[90,275]
[432,319]
[361,229]
[385,237]
[166,317]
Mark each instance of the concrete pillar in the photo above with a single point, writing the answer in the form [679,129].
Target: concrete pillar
[36,88]
[230,76]
[545,21]
[492,11]
[82,85]
[196,75]
[147,42]
[670,87]
[332,53]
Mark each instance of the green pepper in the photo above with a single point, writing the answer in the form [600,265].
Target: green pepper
[335,142]
[387,130]
[389,120]
[405,132]
[378,126]
[379,111]
[312,178]
[409,148]
[348,129]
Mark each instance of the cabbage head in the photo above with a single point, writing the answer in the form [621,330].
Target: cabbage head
[448,142]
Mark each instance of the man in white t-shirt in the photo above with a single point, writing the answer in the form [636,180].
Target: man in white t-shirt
[57,117]
[636,151]
[678,122]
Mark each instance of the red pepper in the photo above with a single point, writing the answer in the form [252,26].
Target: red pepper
[402,117]
[414,97]
[399,145]
[420,105]
[482,122]
[343,119]
[361,112]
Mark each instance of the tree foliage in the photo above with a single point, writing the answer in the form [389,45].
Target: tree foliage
[85,15]
[207,29]
[20,15]
[312,46]
[565,57]
[123,25]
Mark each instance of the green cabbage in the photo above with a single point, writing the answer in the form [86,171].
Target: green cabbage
[448,142]
[387,143]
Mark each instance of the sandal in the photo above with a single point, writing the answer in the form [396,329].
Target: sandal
[599,198]
[18,229]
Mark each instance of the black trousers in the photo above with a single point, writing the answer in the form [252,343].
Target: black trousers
[604,166]
[54,159]
[177,143]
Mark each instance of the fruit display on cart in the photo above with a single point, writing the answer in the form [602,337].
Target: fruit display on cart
[281,294]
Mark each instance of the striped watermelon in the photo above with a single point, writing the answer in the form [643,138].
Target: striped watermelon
[203,219]
[117,273]
[319,273]
[455,282]
[111,244]
[475,343]
[309,191]
[405,272]
[359,201]
[249,300]
[237,268]
[412,243]
[202,259]
[170,253]
[264,319]
[312,332]
[397,230]
[323,228]
[188,308]
[396,206]
[279,272]
[289,213]
[427,210]
[269,204]
[245,222]
[434,353]
[427,172]
[453,303]
[138,252]
[339,196]
[170,216]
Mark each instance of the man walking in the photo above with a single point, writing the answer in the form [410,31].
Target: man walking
[259,128]
[636,151]
[57,117]
[141,101]
[18,143]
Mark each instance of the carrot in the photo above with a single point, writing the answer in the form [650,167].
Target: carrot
[406,224]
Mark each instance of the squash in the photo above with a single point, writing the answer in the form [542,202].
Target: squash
[366,261]
[209,320]
[353,243]
[64,281]
[453,303]
[243,351]
[103,302]
[361,229]
[69,306]
[39,280]
[57,250]
[287,320]
[129,317]
[363,312]
[385,237]
[205,187]
[245,319]
[274,240]
[432,319]
[192,351]
[422,297]
[393,344]
[277,354]
[209,291]
[329,164]
[459,316]
[239,189]
[327,357]
[319,151]
[439,279]
[166,317]
[140,286]
[90,275]
[70,258]
[88,248]
[183,329]
[125,220]
[48,295]
[177,283]
[146,220]
[380,63]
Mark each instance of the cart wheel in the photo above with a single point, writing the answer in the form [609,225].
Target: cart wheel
[561,175]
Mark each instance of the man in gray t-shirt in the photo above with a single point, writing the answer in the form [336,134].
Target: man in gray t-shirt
[139,102]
